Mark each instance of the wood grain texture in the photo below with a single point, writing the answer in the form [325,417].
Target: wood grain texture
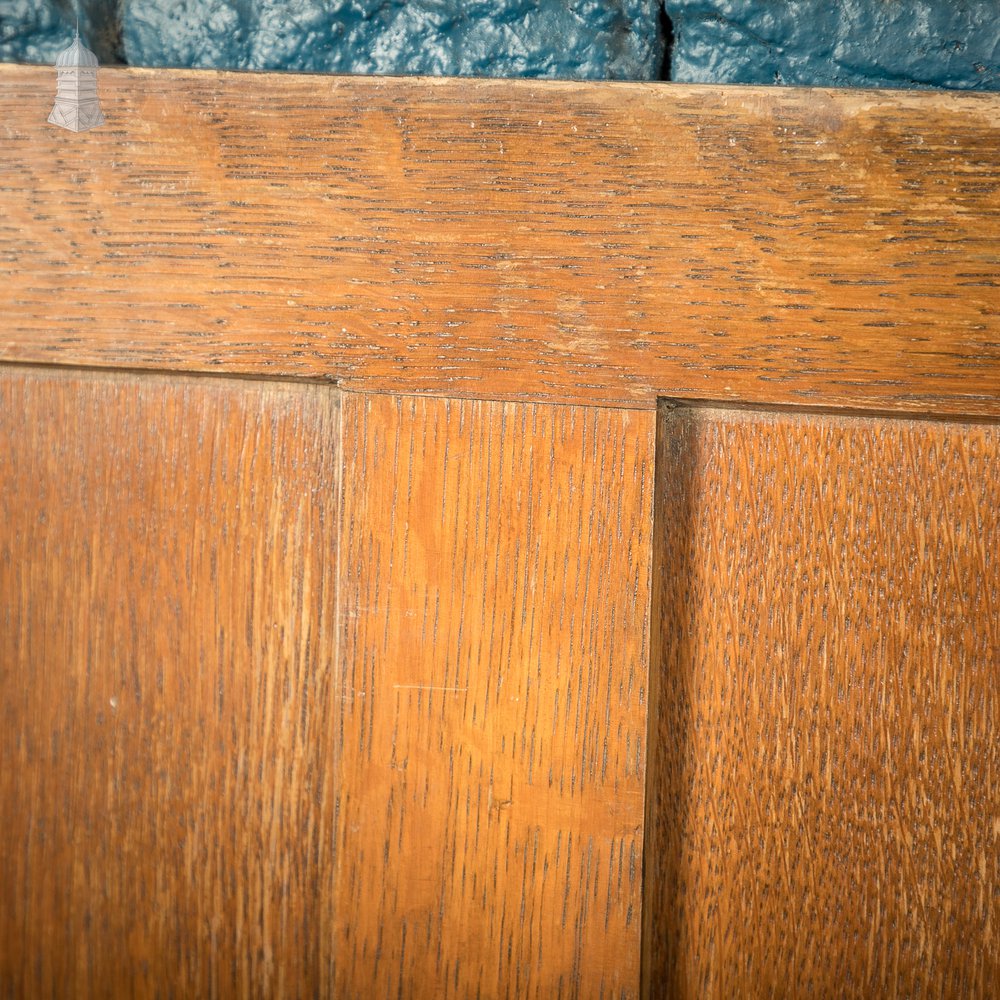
[585,243]
[495,601]
[824,770]
[167,589]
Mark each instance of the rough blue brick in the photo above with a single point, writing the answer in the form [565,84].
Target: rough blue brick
[907,43]
[576,39]
[850,43]
[34,31]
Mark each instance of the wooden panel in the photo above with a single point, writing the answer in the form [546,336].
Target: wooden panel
[824,764]
[167,569]
[494,593]
[599,243]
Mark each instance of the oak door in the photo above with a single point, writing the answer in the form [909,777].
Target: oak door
[498,539]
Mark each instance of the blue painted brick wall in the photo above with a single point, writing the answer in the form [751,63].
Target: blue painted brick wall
[860,43]
[838,43]
[575,39]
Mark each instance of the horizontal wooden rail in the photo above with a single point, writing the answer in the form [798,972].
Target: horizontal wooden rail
[576,242]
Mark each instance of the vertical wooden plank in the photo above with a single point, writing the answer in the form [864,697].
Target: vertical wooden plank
[494,594]
[824,763]
[167,597]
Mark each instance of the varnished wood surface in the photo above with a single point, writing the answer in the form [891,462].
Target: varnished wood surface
[494,599]
[167,599]
[589,243]
[824,763]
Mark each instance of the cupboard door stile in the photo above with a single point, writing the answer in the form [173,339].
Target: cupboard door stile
[494,602]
